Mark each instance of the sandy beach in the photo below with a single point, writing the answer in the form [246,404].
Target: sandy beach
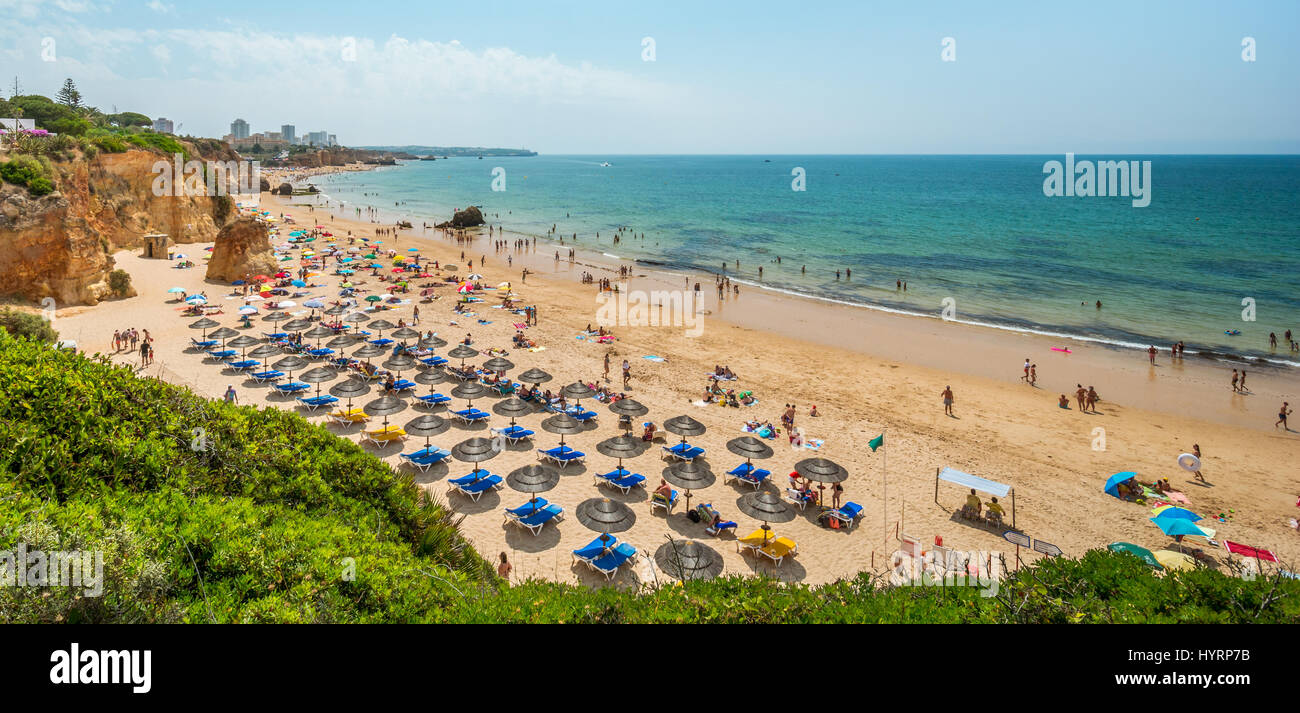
[867,373]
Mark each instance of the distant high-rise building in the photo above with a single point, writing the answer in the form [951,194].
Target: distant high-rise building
[334,140]
[163,126]
[318,138]
[239,129]
[289,132]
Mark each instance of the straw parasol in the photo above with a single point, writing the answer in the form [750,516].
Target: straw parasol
[463,352]
[578,391]
[821,470]
[427,425]
[690,475]
[429,377]
[290,363]
[380,325]
[534,376]
[336,310]
[433,342]
[475,450]
[265,350]
[341,341]
[223,334]
[684,426]
[621,447]
[512,407]
[356,317]
[766,506]
[276,316]
[243,342]
[688,560]
[318,333]
[498,364]
[533,479]
[399,363]
[605,516]
[405,333]
[317,376]
[470,390]
[205,324]
[749,447]
[369,350]
[385,407]
[350,389]
[627,409]
[562,424]
[296,324]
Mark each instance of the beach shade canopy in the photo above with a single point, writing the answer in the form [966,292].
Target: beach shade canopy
[430,377]
[350,389]
[475,450]
[1175,526]
[433,342]
[399,363]
[318,332]
[290,363]
[512,408]
[628,407]
[621,447]
[356,317]
[223,333]
[749,447]
[405,333]
[536,478]
[605,516]
[765,506]
[562,424]
[498,364]
[295,325]
[684,426]
[688,560]
[204,323]
[336,310]
[470,390]
[1112,483]
[385,407]
[691,475]
[318,376]
[534,376]
[1141,553]
[370,350]
[821,470]
[381,325]
[427,425]
[265,350]
[243,341]
[1174,561]
[341,341]
[577,391]
[1173,511]
[277,316]
[463,352]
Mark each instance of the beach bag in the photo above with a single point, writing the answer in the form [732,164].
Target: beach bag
[693,515]
[832,523]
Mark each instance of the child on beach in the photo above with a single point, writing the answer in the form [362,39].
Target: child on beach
[1064,402]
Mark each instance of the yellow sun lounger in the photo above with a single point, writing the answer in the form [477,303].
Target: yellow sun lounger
[778,549]
[350,416]
[753,540]
[384,436]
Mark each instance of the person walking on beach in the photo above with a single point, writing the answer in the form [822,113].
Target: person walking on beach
[1196,451]
[1080,394]
[1234,380]
[1033,374]
[1151,354]
[1242,384]
[231,396]
[1281,416]
[1025,377]
[947,400]
[504,567]
[415,317]
[606,366]
[627,373]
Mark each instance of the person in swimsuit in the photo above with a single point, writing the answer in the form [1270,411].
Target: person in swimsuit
[947,400]
[1281,416]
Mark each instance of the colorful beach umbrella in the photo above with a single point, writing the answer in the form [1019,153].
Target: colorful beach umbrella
[1141,553]
[1174,561]
[1112,483]
[1175,526]
[1173,511]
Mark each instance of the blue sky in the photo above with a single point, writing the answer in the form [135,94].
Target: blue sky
[745,77]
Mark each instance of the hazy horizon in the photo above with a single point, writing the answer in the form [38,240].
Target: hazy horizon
[1167,78]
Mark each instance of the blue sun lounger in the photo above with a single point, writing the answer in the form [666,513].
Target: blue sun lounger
[470,415]
[476,474]
[433,360]
[263,376]
[657,501]
[425,457]
[403,385]
[276,336]
[503,389]
[537,520]
[514,434]
[205,344]
[562,455]
[609,563]
[315,402]
[320,353]
[292,387]
[476,489]
[527,508]
[624,481]
[582,415]
[221,354]
[433,399]
[595,548]
[684,451]
[847,513]
[380,342]
[245,364]
[748,474]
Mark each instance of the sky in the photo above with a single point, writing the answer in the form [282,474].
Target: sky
[667,77]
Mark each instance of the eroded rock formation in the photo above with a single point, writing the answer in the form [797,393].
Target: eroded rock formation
[242,249]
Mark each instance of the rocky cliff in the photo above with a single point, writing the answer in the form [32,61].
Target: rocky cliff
[242,250]
[61,245]
[467,218]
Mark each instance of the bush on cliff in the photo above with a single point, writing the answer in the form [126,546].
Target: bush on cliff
[27,325]
[27,171]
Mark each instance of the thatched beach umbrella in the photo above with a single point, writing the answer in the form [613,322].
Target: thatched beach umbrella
[243,342]
[533,479]
[463,352]
[621,447]
[205,324]
[385,407]
[578,391]
[432,341]
[689,475]
[380,325]
[356,317]
[512,407]
[336,310]
[342,341]
[476,450]
[266,350]
[684,426]
[276,316]
[223,334]
[821,470]
[605,516]
[749,447]
[350,389]
[399,363]
[627,409]
[534,376]
[498,364]
[318,333]
[405,333]
[766,506]
[318,376]
[470,390]
[369,350]
[296,324]
[688,560]
[562,424]
[428,426]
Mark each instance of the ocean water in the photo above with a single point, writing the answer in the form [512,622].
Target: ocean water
[976,230]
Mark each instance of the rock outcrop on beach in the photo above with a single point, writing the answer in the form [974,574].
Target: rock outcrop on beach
[467,218]
[242,249]
[61,245]
[265,186]
[284,189]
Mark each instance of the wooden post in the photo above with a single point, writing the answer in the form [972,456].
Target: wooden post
[936,486]
[1013,521]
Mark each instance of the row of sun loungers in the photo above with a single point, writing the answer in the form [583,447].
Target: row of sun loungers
[562,455]
[606,556]
[534,515]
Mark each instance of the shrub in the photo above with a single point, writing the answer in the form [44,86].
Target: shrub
[119,281]
[27,325]
[24,170]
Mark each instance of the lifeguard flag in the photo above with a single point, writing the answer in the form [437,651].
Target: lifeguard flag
[876,442]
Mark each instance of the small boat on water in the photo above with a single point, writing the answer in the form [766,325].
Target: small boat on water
[605,164]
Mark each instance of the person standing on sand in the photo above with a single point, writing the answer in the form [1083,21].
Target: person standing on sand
[415,317]
[606,366]
[1091,399]
[231,396]
[1033,374]
[947,400]
[1025,377]
[504,567]
[1196,451]
[1080,394]
[1242,383]
[1234,380]
[1151,354]
[1282,413]
[627,373]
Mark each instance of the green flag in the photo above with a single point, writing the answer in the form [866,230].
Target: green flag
[877,442]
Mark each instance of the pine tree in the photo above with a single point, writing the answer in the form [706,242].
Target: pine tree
[69,96]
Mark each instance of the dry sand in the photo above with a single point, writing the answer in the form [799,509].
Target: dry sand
[867,372]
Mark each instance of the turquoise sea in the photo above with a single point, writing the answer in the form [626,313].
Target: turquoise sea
[976,229]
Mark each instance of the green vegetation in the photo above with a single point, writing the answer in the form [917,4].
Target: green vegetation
[28,171]
[119,281]
[27,325]
[206,511]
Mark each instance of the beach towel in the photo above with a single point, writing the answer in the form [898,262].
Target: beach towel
[654,358]
[1177,497]
[520,326]
[537,349]
[814,443]
[484,321]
